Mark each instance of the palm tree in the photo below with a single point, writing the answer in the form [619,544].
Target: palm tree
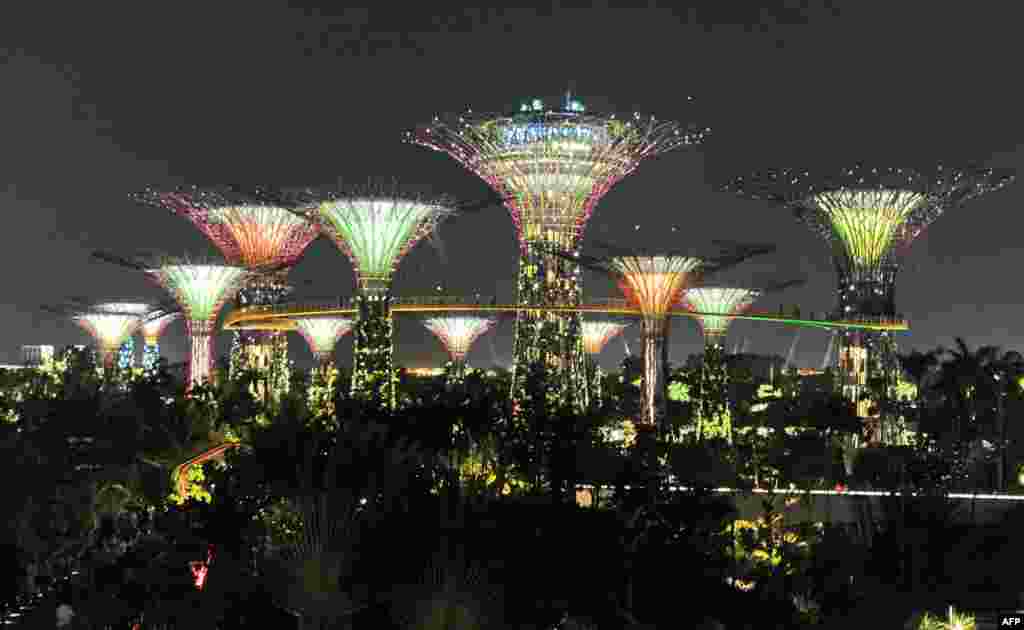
[920,367]
[974,386]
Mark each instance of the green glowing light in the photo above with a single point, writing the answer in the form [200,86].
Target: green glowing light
[866,224]
[718,301]
[376,233]
[200,289]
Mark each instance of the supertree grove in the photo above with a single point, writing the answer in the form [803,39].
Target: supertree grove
[200,288]
[551,168]
[597,333]
[110,324]
[254,229]
[151,332]
[375,231]
[713,305]
[458,333]
[869,217]
[654,284]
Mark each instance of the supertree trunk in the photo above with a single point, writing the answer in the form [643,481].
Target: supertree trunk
[551,339]
[322,379]
[868,368]
[713,419]
[266,353]
[373,374]
[150,354]
[654,380]
[126,354]
[455,372]
[108,357]
[200,369]
[594,375]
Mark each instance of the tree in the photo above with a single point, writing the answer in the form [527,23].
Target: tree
[975,387]
[920,367]
[334,483]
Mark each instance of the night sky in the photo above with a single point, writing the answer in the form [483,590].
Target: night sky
[96,103]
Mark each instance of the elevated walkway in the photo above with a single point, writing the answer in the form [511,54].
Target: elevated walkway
[279,317]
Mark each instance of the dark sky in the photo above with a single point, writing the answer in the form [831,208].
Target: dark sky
[96,103]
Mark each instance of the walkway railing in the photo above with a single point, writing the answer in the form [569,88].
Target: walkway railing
[264,316]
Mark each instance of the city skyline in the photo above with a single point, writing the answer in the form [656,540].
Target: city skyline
[89,124]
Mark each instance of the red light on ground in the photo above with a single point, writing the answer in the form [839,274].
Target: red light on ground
[199,571]
[201,568]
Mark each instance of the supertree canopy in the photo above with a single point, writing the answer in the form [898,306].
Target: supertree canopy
[151,332]
[551,168]
[597,333]
[257,230]
[201,290]
[252,228]
[322,334]
[714,305]
[458,333]
[869,217]
[375,231]
[110,324]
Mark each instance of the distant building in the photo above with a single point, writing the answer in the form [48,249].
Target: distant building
[32,356]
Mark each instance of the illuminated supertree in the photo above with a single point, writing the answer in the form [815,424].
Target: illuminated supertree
[110,324]
[654,284]
[597,333]
[322,334]
[551,168]
[869,217]
[714,304]
[151,332]
[374,231]
[458,333]
[254,229]
[200,289]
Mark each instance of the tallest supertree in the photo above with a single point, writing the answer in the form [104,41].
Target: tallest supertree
[551,167]
[869,217]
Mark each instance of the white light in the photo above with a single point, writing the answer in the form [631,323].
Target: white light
[859,493]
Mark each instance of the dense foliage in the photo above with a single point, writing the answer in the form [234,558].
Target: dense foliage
[320,491]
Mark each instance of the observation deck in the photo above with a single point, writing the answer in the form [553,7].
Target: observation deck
[280,317]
